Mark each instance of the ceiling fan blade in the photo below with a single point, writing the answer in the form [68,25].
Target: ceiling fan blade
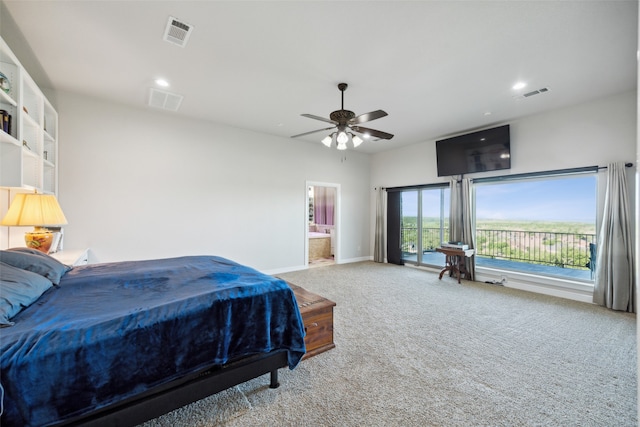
[367,117]
[313,131]
[311,116]
[372,132]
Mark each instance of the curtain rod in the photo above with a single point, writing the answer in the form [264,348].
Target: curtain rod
[605,167]
[521,175]
[542,173]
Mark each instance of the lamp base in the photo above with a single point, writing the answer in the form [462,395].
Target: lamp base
[40,240]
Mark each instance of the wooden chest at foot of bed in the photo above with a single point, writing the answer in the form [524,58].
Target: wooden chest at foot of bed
[317,316]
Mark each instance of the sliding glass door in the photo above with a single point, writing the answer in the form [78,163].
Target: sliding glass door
[409,218]
[424,224]
[435,224]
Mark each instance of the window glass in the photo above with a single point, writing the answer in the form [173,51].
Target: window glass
[543,225]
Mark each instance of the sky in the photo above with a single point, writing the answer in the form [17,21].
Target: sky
[558,199]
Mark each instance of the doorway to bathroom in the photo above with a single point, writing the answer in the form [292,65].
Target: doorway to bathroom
[322,224]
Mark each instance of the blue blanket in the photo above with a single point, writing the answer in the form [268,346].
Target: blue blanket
[110,331]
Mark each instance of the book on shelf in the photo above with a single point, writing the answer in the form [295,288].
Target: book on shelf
[6,121]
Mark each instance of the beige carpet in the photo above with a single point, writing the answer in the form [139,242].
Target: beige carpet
[416,351]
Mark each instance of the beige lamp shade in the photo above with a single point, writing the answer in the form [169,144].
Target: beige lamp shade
[37,210]
[34,209]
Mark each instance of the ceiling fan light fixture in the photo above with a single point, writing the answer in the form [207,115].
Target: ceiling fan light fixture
[356,140]
[327,140]
[342,145]
[343,137]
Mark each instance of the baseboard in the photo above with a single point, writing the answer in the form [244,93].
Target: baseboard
[352,260]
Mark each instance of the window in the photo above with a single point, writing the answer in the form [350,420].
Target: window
[541,225]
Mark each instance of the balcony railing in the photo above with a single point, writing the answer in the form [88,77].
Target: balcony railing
[566,250]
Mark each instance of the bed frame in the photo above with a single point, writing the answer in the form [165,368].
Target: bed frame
[167,397]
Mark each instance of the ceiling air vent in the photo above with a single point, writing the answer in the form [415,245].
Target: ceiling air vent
[164,100]
[533,92]
[177,32]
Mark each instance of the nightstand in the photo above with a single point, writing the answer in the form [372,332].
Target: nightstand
[72,257]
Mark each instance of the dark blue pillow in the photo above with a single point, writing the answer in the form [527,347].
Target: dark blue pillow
[18,289]
[36,262]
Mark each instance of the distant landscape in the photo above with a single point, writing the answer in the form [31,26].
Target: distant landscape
[517,225]
[560,243]
[542,226]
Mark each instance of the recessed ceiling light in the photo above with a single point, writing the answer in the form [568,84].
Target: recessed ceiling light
[519,85]
[162,83]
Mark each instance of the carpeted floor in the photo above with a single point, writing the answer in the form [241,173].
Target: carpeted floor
[412,350]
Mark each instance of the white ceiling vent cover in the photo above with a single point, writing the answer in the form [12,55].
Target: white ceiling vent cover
[177,32]
[164,100]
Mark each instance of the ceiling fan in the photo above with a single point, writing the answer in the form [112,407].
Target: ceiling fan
[346,122]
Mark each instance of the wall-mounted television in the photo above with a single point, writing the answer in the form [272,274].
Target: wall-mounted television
[482,151]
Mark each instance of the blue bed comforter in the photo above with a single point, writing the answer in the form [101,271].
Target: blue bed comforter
[110,331]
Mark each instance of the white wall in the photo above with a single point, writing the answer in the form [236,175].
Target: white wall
[140,184]
[589,134]
[584,135]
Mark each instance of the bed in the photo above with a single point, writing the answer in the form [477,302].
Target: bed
[120,343]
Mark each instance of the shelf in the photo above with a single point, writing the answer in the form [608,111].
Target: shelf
[30,153]
[9,139]
[4,97]
[29,121]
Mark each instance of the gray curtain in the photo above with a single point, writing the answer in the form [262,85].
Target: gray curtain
[455,212]
[615,282]
[379,244]
[462,221]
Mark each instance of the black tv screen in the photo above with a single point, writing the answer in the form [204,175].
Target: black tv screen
[482,151]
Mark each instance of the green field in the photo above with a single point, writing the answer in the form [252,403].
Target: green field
[497,224]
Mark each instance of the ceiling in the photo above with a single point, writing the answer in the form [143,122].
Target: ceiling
[438,68]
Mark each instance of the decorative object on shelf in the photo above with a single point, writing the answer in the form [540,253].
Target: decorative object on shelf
[5,83]
[39,211]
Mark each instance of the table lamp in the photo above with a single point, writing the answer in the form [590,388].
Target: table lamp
[37,210]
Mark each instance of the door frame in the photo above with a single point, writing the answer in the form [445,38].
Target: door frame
[336,217]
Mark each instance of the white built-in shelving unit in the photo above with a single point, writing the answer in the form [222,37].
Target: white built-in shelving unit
[29,151]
